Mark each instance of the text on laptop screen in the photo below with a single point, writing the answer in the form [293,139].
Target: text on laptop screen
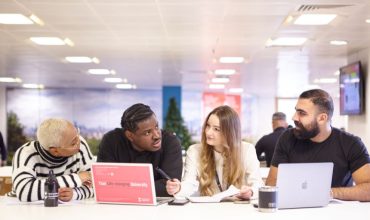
[130,184]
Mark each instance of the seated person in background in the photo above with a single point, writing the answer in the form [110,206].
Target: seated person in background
[220,160]
[314,140]
[140,140]
[59,147]
[267,143]
[3,151]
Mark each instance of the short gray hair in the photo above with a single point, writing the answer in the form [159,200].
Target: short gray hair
[50,132]
[278,116]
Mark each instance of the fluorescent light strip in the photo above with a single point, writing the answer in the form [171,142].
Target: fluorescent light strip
[338,42]
[231,59]
[216,86]
[367,21]
[37,20]
[10,80]
[125,86]
[33,86]
[82,59]
[286,41]
[47,41]
[225,72]
[315,19]
[113,80]
[14,19]
[100,71]
[69,42]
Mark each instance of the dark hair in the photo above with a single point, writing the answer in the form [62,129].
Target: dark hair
[135,114]
[321,99]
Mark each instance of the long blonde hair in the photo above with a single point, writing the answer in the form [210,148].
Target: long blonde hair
[233,170]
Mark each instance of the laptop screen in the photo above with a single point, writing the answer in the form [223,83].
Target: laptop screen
[124,183]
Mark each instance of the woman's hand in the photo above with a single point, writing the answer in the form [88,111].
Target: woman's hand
[245,193]
[173,186]
[65,194]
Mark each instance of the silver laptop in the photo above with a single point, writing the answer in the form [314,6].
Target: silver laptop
[303,185]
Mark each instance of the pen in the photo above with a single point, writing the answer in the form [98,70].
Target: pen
[163,174]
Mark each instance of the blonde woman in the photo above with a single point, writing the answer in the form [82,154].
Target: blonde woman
[220,160]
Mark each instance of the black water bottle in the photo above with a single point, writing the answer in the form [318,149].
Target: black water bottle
[51,190]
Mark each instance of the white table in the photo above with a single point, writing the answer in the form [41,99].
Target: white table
[6,171]
[88,209]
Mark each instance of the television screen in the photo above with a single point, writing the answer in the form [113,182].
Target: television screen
[351,89]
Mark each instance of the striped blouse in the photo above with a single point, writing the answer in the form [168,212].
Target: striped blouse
[31,165]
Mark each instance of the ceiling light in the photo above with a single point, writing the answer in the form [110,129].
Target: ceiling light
[367,21]
[101,71]
[95,60]
[220,80]
[69,42]
[231,59]
[286,41]
[82,59]
[325,80]
[288,19]
[14,19]
[216,86]
[315,19]
[236,90]
[338,42]
[113,80]
[224,72]
[47,40]
[10,80]
[33,86]
[37,20]
[125,86]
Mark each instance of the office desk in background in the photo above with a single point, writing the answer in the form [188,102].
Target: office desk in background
[5,179]
[88,209]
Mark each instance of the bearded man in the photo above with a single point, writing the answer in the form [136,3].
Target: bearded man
[314,140]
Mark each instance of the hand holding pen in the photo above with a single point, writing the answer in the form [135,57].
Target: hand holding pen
[172,185]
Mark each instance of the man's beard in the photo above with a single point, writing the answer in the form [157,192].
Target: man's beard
[304,133]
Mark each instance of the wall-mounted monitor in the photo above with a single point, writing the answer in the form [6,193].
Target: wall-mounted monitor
[351,89]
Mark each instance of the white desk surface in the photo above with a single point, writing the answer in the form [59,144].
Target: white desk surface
[6,171]
[90,210]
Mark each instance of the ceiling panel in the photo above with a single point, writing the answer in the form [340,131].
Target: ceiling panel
[169,42]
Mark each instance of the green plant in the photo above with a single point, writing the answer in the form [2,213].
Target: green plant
[94,145]
[175,123]
[16,137]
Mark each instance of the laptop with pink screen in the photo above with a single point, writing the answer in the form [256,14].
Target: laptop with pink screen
[124,183]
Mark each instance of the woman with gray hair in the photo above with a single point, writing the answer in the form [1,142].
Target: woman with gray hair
[59,148]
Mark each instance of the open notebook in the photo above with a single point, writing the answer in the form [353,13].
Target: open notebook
[232,190]
[125,183]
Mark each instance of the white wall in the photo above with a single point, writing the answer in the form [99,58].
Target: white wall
[3,112]
[359,125]
[262,113]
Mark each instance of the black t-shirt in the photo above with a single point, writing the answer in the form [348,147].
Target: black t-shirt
[346,151]
[267,144]
[115,147]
